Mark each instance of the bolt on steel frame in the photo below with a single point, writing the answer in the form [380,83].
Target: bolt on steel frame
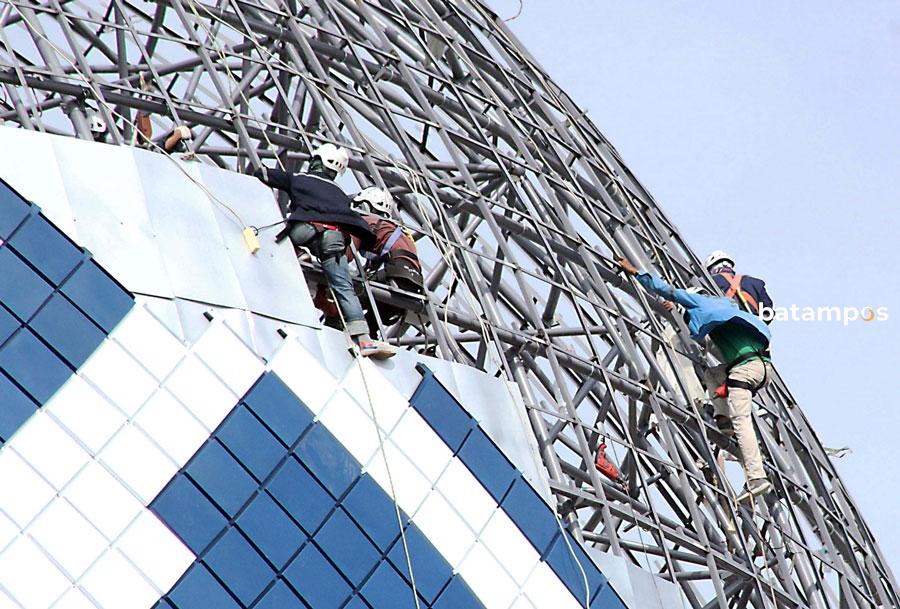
[519,205]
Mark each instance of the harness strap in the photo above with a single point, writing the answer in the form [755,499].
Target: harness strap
[741,385]
[327,226]
[392,240]
[734,287]
[387,250]
[729,382]
[746,357]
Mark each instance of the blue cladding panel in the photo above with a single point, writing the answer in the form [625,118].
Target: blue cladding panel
[299,493]
[43,337]
[98,295]
[22,289]
[343,541]
[457,595]
[374,511]
[430,570]
[8,325]
[239,566]
[607,599]
[251,443]
[488,464]
[13,210]
[265,558]
[521,503]
[189,513]
[328,460]
[33,365]
[441,410]
[387,590]
[279,408]
[271,530]
[46,248]
[280,596]
[221,477]
[560,559]
[531,515]
[67,330]
[357,603]
[15,410]
[317,581]
[198,589]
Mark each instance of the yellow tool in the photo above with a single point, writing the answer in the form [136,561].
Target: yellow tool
[251,240]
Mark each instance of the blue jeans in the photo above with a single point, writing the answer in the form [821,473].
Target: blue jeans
[330,248]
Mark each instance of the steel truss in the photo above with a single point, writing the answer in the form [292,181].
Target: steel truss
[520,206]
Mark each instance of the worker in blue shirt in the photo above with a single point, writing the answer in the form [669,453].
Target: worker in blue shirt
[743,341]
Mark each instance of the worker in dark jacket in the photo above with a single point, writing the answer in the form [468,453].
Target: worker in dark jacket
[320,219]
[743,341]
[748,292]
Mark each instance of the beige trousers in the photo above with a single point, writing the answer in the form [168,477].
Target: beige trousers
[738,407]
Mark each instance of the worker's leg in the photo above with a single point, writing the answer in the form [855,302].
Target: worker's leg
[713,378]
[740,406]
[330,250]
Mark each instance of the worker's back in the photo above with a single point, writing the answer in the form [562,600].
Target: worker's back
[391,241]
[315,198]
[747,291]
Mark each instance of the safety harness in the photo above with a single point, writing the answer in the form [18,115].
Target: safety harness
[729,382]
[734,288]
[377,259]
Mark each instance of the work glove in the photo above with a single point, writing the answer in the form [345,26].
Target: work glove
[261,174]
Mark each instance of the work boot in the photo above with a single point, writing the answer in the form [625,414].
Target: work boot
[376,349]
[755,488]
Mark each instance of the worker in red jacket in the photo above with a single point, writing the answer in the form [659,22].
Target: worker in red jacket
[392,259]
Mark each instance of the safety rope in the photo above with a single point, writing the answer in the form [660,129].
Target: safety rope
[452,269]
[414,182]
[112,111]
[212,39]
[358,359]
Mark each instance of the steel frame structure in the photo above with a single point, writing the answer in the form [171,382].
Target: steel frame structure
[520,206]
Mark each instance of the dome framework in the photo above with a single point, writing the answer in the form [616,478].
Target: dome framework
[519,206]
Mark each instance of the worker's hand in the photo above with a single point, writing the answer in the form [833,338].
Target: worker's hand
[183,131]
[261,174]
[669,305]
[627,266]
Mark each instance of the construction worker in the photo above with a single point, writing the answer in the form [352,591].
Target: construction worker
[393,260]
[99,131]
[748,292]
[320,219]
[172,141]
[743,341]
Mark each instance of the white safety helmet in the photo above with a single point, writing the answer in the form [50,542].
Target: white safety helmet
[696,290]
[335,158]
[718,257]
[98,125]
[374,199]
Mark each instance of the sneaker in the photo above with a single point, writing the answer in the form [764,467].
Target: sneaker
[376,349]
[755,488]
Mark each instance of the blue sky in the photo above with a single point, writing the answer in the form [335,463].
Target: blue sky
[770,130]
